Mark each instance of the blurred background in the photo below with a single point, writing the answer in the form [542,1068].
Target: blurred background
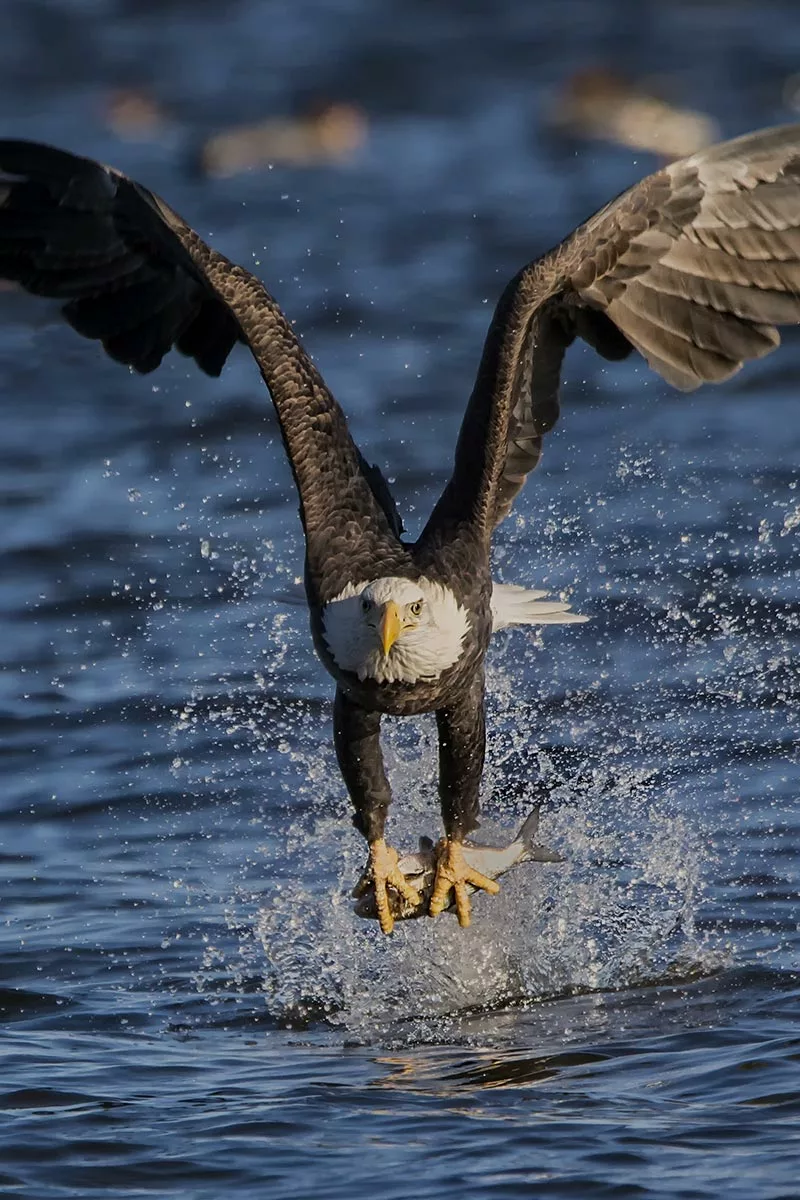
[178,948]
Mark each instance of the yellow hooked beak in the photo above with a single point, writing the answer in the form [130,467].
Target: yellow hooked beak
[390,626]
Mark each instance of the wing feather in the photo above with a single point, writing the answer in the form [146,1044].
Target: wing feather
[694,267]
[130,273]
[75,231]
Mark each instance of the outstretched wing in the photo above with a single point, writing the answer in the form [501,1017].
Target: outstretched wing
[131,273]
[84,234]
[694,267]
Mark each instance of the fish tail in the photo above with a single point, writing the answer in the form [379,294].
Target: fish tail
[530,828]
[527,835]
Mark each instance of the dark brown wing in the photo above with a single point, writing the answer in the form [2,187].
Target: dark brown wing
[694,267]
[133,274]
[86,235]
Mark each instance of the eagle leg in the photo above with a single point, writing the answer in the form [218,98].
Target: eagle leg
[356,737]
[382,872]
[462,744]
[453,874]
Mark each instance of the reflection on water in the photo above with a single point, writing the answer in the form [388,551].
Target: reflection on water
[483,1069]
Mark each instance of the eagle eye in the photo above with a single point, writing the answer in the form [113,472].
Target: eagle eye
[416,607]
[366,604]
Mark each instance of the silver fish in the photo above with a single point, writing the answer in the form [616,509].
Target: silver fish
[419,868]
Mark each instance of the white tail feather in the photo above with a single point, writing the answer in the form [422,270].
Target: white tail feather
[515,605]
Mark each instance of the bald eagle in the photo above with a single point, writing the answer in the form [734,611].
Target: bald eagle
[694,267]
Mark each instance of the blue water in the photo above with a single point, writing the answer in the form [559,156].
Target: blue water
[189,1006]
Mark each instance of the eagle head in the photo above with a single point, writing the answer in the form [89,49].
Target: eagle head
[395,630]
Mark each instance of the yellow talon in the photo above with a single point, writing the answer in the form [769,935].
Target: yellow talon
[453,874]
[382,872]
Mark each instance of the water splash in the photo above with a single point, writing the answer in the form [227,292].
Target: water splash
[619,913]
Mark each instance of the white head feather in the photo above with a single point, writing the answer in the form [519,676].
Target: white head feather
[430,642]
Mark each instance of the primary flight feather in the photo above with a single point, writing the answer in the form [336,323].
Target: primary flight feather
[694,267]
